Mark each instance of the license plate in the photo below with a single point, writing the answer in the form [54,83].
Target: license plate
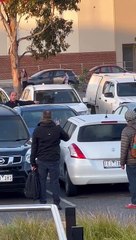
[111,164]
[6,178]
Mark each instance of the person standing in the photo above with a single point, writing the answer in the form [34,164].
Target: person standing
[126,159]
[45,155]
[24,78]
[14,102]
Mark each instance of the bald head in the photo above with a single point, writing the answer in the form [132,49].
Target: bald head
[46,115]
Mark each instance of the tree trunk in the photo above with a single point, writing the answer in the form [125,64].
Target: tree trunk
[14,58]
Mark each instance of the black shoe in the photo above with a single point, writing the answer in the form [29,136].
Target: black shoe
[59,207]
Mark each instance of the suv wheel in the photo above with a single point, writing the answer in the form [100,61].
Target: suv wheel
[70,188]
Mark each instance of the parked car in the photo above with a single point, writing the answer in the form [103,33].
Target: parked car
[14,150]
[3,96]
[121,110]
[92,154]
[50,76]
[55,94]
[106,68]
[105,92]
[32,114]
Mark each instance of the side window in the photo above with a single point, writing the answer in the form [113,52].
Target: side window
[69,128]
[106,87]
[0,96]
[59,73]
[45,75]
[112,88]
[25,94]
[118,110]
[123,110]
[66,126]
[105,70]
[4,97]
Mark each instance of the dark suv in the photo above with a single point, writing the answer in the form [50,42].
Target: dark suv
[53,76]
[14,150]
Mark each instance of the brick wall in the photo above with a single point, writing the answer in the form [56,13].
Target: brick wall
[76,61]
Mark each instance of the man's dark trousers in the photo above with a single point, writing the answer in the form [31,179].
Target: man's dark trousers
[131,173]
[53,169]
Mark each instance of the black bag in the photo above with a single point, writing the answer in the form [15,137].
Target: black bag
[32,186]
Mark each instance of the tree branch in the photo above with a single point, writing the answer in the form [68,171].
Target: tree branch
[21,56]
[6,24]
[29,37]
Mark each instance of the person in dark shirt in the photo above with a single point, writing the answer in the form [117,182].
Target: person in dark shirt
[13,102]
[45,155]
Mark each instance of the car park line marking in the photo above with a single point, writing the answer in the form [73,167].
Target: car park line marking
[63,200]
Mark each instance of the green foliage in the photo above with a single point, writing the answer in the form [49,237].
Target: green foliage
[48,36]
[83,76]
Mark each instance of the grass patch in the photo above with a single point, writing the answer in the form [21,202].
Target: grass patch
[106,228]
[20,229]
[98,227]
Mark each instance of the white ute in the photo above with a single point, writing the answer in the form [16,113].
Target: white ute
[105,92]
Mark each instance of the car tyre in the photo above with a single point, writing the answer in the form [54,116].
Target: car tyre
[70,188]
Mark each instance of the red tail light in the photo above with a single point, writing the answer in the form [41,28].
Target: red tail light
[75,152]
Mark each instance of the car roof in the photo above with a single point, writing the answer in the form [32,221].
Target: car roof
[7,111]
[96,119]
[125,78]
[105,65]
[44,107]
[53,69]
[49,87]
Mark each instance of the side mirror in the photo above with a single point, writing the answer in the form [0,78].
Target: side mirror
[84,100]
[109,95]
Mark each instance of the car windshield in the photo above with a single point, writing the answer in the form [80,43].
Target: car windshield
[12,128]
[101,132]
[32,118]
[57,96]
[126,89]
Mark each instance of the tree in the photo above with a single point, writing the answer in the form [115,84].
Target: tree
[46,39]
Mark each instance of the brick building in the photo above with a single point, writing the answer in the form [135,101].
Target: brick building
[103,32]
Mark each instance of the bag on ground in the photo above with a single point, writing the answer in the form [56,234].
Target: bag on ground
[32,186]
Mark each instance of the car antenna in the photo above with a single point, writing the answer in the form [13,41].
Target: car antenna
[106,114]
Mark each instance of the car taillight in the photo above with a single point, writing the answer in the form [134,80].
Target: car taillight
[76,152]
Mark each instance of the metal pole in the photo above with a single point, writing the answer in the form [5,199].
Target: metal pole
[77,233]
[36,207]
[70,217]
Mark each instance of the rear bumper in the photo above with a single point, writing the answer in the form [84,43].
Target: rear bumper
[83,172]
[18,183]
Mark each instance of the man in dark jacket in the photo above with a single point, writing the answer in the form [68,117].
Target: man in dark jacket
[13,102]
[45,155]
[126,159]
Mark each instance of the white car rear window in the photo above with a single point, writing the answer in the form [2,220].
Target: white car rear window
[100,133]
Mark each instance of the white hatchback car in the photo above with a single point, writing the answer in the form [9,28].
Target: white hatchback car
[92,154]
[55,94]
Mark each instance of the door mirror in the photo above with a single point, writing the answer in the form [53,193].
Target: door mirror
[84,99]
[108,95]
